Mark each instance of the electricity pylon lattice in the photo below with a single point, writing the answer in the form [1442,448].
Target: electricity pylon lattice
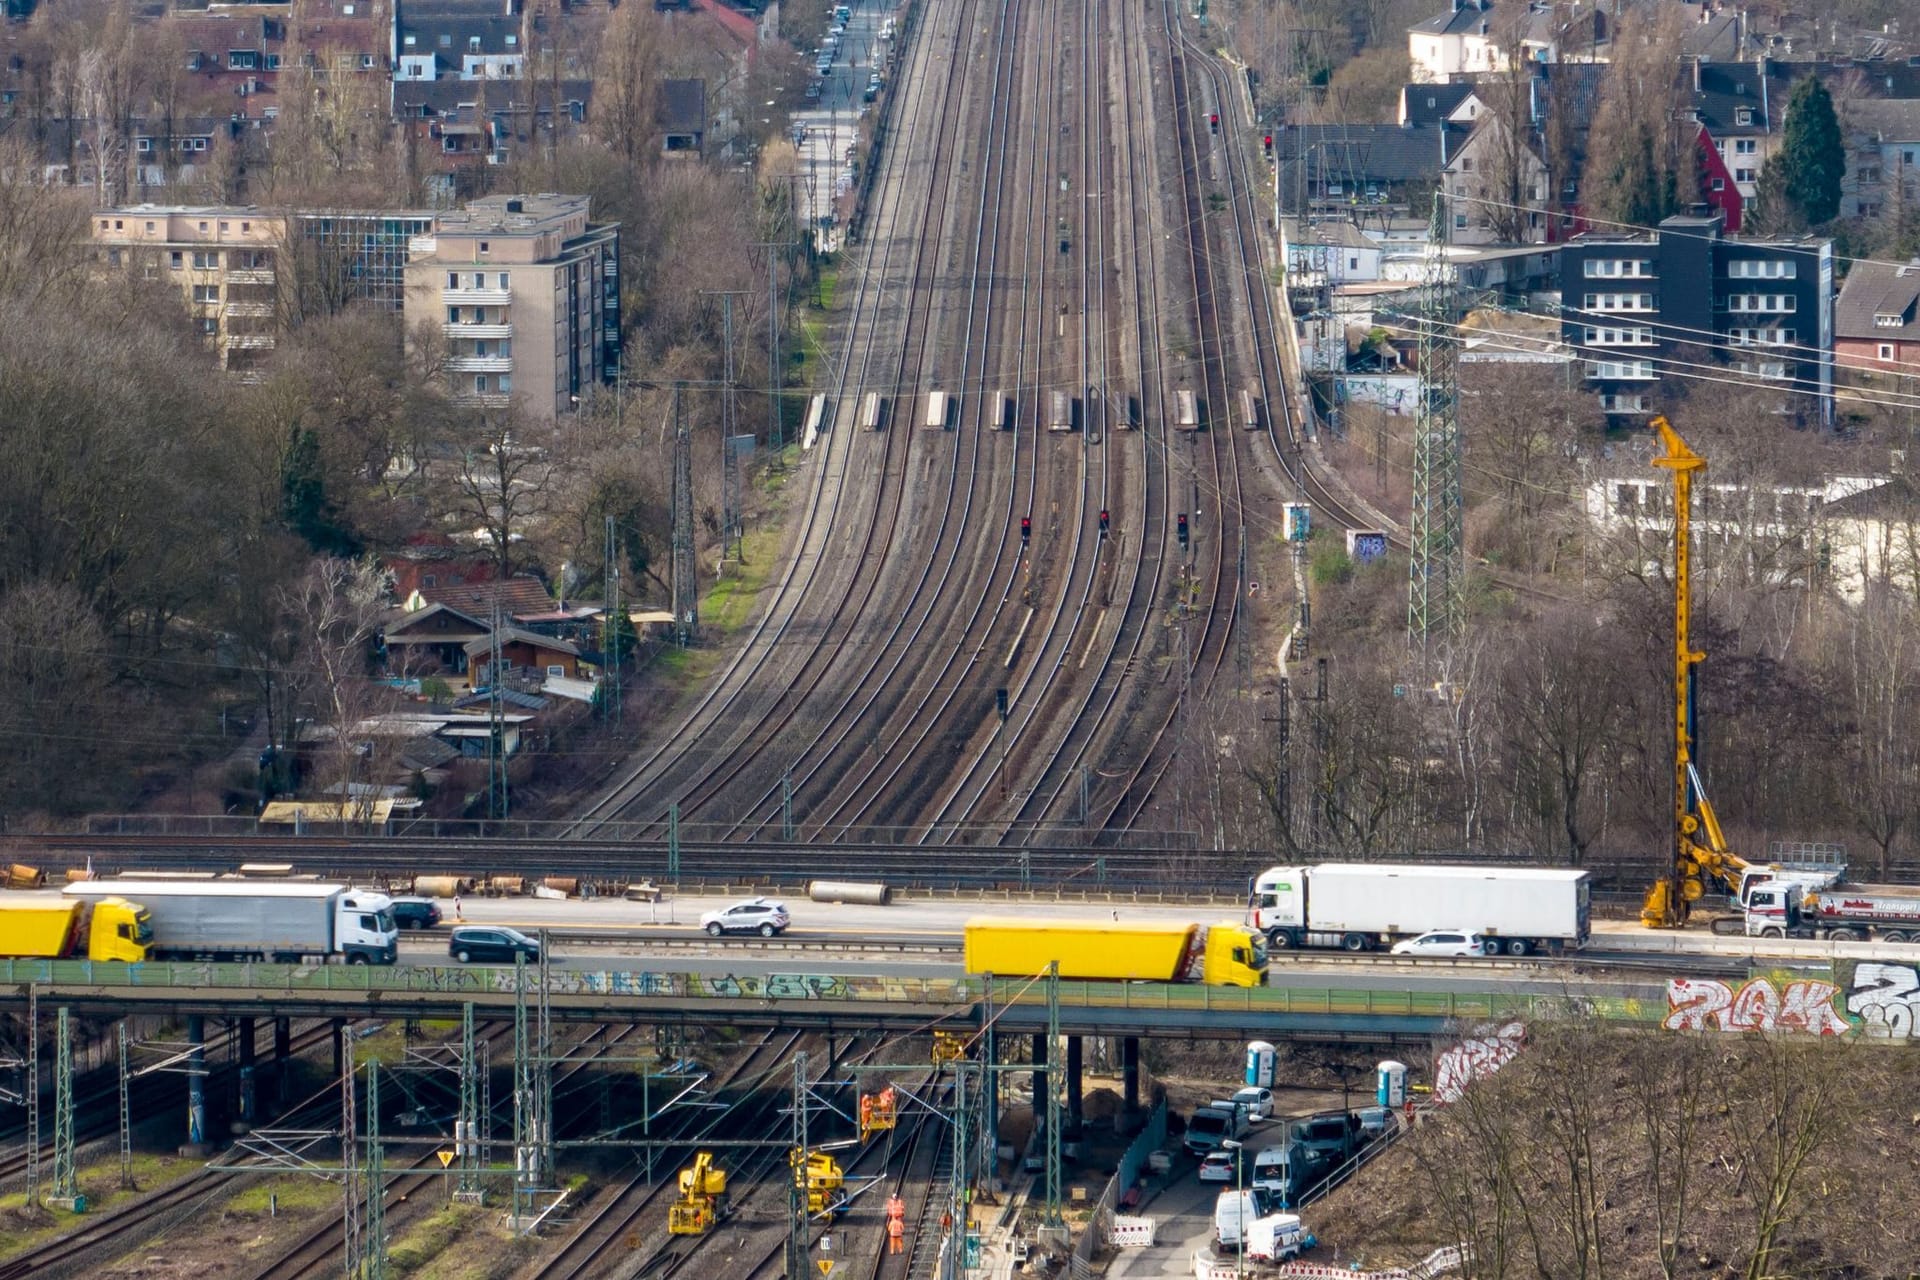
[1436,562]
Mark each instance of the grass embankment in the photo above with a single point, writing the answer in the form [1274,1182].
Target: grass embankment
[21,1228]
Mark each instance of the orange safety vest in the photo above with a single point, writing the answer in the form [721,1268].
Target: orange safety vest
[896,1228]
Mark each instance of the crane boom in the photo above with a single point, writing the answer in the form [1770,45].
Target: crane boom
[1672,897]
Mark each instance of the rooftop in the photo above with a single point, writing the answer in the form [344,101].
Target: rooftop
[1877,292]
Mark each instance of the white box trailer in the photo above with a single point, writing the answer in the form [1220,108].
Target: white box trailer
[251,920]
[939,407]
[1360,906]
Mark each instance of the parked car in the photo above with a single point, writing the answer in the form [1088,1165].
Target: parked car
[416,913]
[755,915]
[1447,942]
[1258,1102]
[1217,1166]
[491,944]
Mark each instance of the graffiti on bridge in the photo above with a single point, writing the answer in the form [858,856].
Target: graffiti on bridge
[1479,1055]
[1802,1006]
[1886,1000]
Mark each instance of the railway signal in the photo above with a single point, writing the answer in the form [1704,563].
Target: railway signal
[1105,522]
[1213,122]
[1266,144]
[1026,530]
[1181,527]
[1000,702]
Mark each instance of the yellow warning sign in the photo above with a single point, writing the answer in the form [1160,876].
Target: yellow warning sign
[446,1158]
[826,1266]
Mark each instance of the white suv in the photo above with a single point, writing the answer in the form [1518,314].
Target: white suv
[755,915]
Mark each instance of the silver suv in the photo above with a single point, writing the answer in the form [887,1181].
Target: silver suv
[755,915]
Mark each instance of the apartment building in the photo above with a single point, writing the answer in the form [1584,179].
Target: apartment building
[526,293]
[1638,308]
[224,261]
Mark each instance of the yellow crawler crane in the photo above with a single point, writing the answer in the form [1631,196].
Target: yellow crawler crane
[1699,848]
[703,1198]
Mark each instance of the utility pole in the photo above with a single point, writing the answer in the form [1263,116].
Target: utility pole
[729,424]
[66,1188]
[613,626]
[467,1129]
[33,1096]
[1436,564]
[373,1265]
[686,589]
[776,378]
[126,1113]
[497,802]
[797,1180]
[352,1200]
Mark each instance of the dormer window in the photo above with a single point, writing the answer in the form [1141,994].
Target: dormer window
[1743,115]
[1887,320]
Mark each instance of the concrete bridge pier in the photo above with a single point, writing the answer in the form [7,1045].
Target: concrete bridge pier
[282,1059]
[243,1028]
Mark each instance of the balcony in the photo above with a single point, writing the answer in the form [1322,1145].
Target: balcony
[477,297]
[251,275]
[478,330]
[480,364]
[249,342]
[258,310]
[484,402]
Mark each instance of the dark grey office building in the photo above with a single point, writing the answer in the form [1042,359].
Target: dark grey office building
[1637,308]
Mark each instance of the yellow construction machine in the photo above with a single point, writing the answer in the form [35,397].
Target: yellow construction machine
[703,1198]
[820,1179]
[1700,851]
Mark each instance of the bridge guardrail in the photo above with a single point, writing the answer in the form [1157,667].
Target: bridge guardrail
[1466,1006]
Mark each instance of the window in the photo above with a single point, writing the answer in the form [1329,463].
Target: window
[1638,370]
[483,246]
[1619,302]
[144,145]
[208,325]
[273,62]
[1466,164]
[1745,147]
[1624,403]
[242,60]
[503,279]
[446,40]
[1743,115]
[1607,336]
[1719,184]
[223,228]
[453,279]
[1771,369]
[1743,175]
[1631,268]
[1747,337]
[1886,351]
[479,384]
[1888,319]
[176,259]
[1761,302]
[205,260]
[206,294]
[504,383]
[1459,221]
[555,671]
[453,315]
[1762,269]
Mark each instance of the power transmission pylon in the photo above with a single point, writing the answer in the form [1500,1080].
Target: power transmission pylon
[126,1113]
[467,1129]
[1056,1087]
[373,1263]
[614,627]
[686,589]
[66,1189]
[1436,563]
[352,1200]
[33,1097]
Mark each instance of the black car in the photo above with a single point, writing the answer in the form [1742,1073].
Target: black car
[496,944]
[416,913]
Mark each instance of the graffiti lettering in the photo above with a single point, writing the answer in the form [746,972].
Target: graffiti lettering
[1479,1055]
[1803,1005]
[1886,997]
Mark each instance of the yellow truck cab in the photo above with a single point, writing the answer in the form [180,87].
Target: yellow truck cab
[107,929]
[1234,956]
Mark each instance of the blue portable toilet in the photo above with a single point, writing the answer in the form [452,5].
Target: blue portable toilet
[1260,1064]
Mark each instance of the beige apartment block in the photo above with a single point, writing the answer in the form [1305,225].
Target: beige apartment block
[224,260]
[526,294]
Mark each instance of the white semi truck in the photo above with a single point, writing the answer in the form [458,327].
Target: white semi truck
[252,920]
[1362,906]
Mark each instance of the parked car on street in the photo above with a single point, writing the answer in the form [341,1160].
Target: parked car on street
[1257,1101]
[491,944]
[1447,942]
[416,913]
[1217,1166]
[755,915]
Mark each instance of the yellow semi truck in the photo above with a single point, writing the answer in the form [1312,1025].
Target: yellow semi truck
[1219,955]
[100,929]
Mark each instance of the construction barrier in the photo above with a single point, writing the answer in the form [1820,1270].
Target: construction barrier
[1130,1233]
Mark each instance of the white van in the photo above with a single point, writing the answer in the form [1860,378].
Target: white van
[1233,1208]
[1270,1170]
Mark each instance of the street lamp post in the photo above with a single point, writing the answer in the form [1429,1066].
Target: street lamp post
[1239,1208]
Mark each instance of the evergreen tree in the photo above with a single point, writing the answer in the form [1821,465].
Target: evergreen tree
[1812,158]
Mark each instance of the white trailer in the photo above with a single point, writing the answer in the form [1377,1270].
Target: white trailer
[872,411]
[251,920]
[1360,906]
[1059,411]
[939,406]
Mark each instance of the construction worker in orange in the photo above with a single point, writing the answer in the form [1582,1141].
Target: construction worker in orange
[866,1114]
[896,1224]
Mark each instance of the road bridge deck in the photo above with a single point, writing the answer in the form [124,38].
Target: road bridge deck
[824,1000]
